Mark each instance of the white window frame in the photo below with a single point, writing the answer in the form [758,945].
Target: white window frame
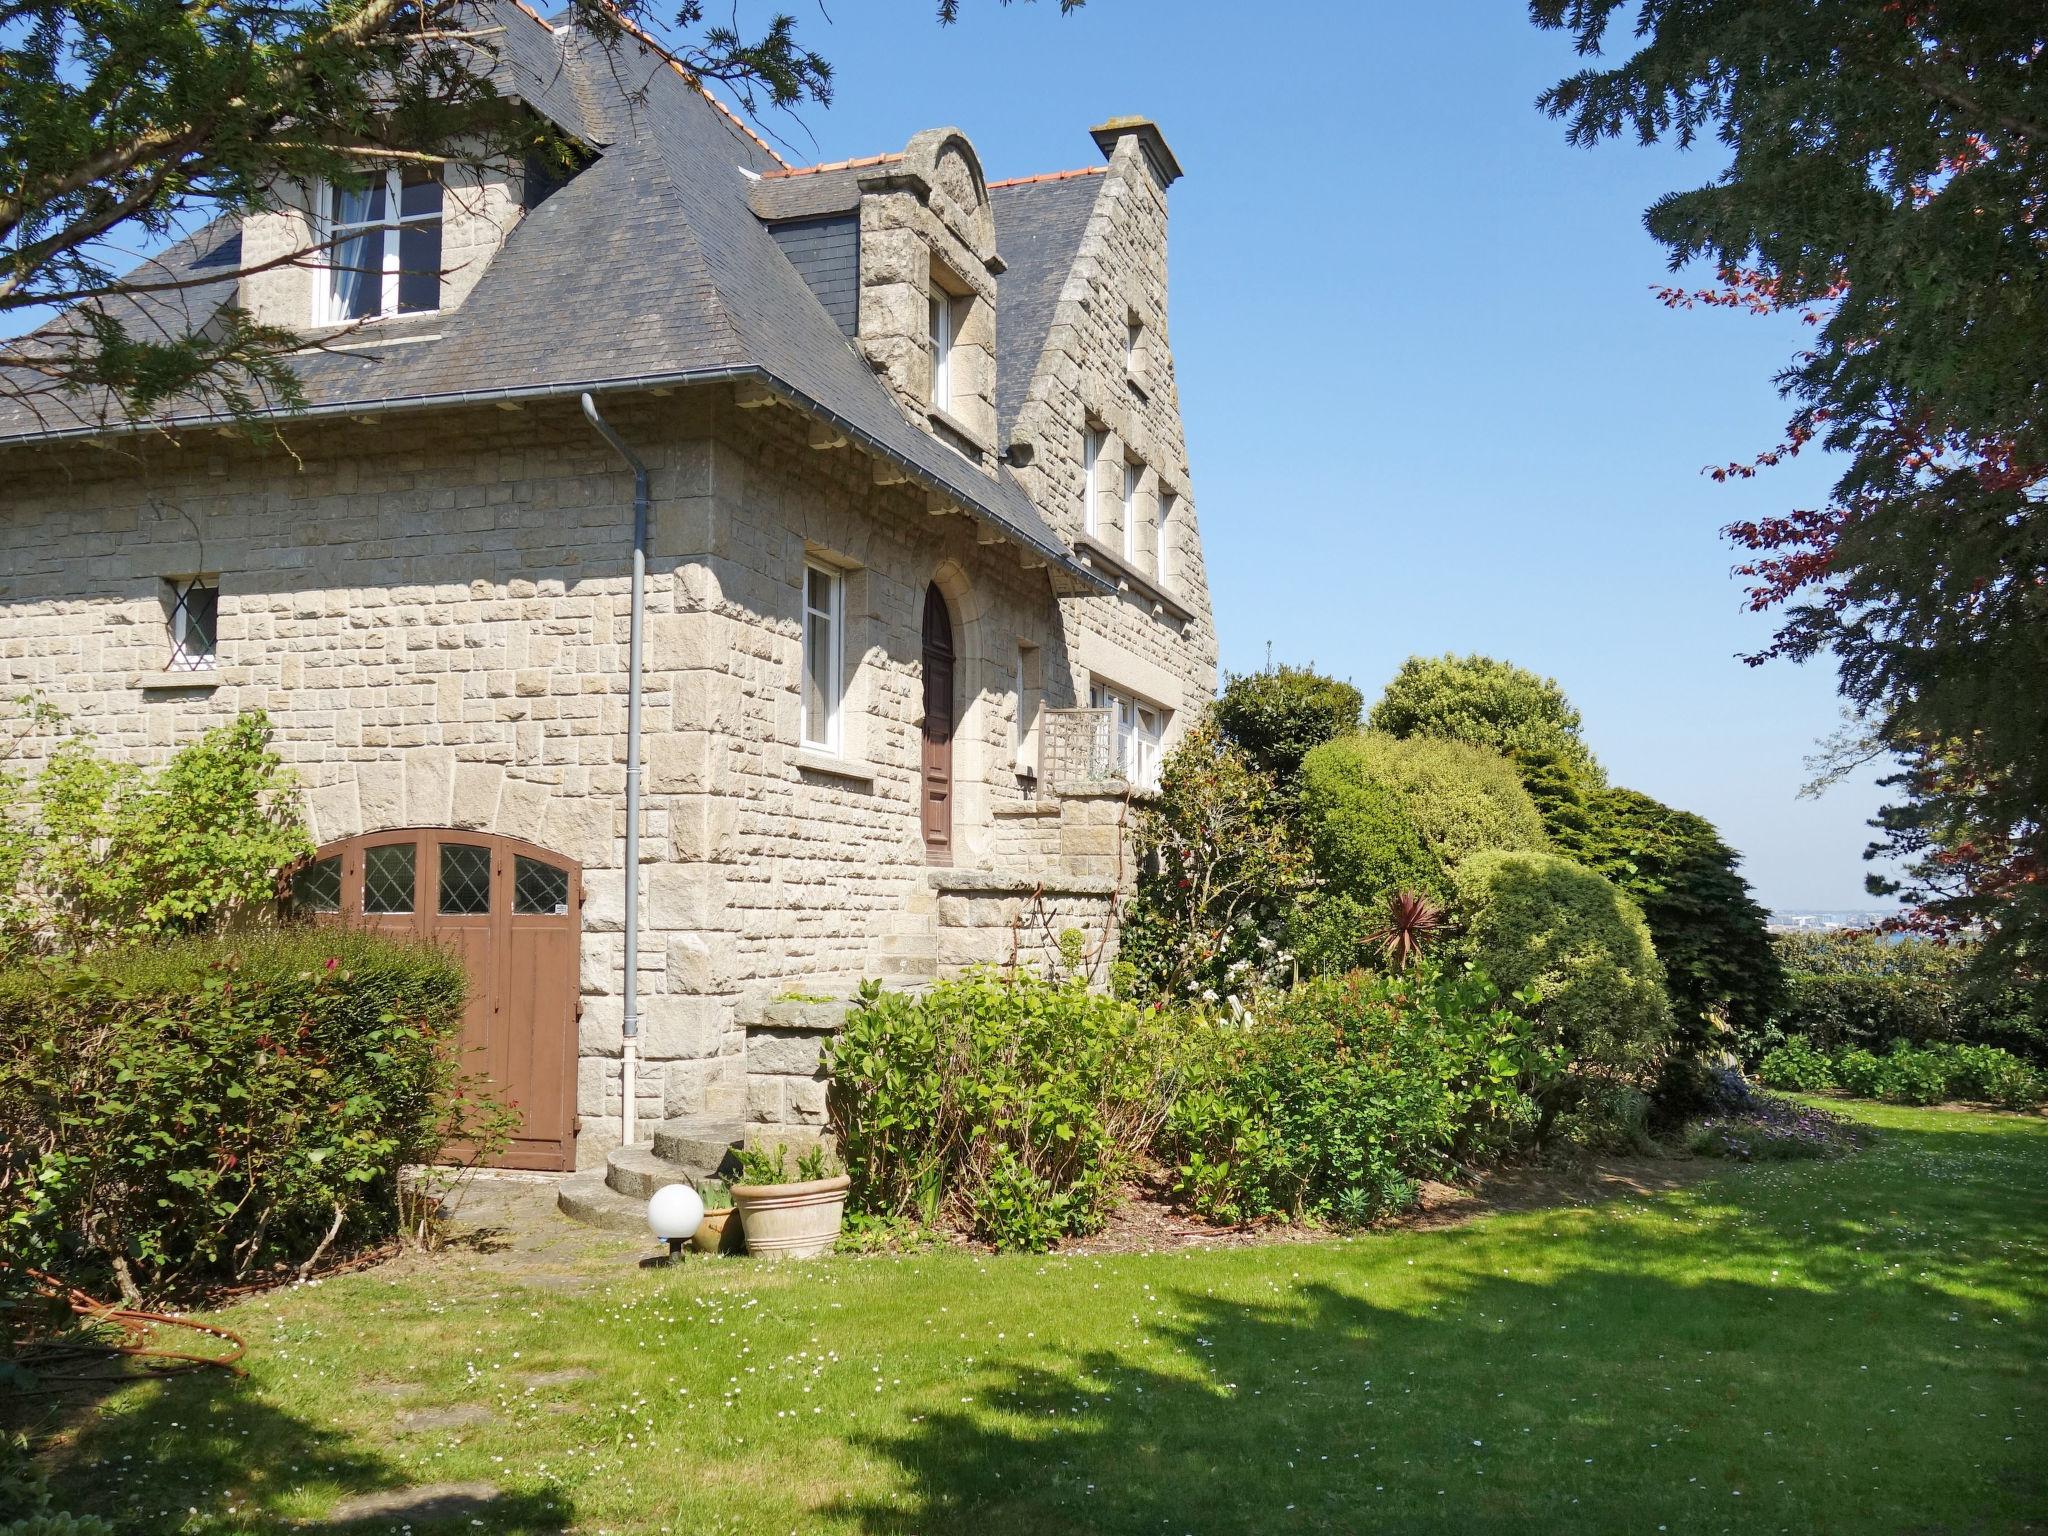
[1137,734]
[828,735]
[943,337]
[1164,506]
[179,620]
[1134,477]
[1092,444]
[332,235]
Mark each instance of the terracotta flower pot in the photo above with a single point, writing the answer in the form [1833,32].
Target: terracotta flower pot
[719,1232]
[791,1221]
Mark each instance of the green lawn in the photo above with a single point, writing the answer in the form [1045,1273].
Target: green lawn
[1850,1347]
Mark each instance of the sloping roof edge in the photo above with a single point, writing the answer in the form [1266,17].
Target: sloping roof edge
[986,512]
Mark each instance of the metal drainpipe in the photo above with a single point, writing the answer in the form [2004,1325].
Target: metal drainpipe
[630,1045]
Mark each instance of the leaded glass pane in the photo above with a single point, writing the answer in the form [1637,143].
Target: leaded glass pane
[539,890]
[317,887]
[465,880]
[388,878]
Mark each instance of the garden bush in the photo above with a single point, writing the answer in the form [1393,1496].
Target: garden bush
[1330,1101]
[1010,1106]
[1485,703]
[1798,1066]
[1539,922]
[96,851]
[1720,968]
[1220,876]
[1277,717]
[1908,1074]
[197,1111]
[1384,815]
[1865,989]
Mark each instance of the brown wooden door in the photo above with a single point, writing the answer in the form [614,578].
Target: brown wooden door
[512,912]
[938,728]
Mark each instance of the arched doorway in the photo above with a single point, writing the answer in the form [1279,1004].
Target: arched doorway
[513,912]
[939,715]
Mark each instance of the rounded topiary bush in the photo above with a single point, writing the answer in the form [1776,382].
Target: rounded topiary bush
[1385,815]
[1535,919]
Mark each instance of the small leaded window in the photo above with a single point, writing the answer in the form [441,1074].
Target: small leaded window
[539,889]
[317,886]
[194,612]
[388,878]
[465,880]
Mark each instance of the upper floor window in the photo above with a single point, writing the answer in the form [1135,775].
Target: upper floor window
[824,652]
[193,606]
[1133,474]
[944,337]
[1091,485]
[1162,537]
[385,252]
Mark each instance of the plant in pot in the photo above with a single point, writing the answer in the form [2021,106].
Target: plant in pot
[719,1232]
[787,1214]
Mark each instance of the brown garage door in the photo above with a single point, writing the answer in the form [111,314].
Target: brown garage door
[512,911]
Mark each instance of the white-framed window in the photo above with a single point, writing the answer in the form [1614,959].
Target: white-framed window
[824,684]
[1133,474]
[1162,537]
[192,614]
[1137,734]
[1092,444]
[385,252]
[944,311]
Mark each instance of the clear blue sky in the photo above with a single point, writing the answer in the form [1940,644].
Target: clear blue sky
[1431,402]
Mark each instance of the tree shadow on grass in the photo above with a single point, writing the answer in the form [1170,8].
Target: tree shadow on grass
[1818,1348]
[206,1447]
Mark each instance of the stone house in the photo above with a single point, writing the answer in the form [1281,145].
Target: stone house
[923,594]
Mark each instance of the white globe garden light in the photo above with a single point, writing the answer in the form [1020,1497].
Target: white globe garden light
[674,1214]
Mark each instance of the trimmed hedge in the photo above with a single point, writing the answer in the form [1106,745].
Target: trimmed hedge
[1859,989]
[1386,815]
[1909,1074]
[1539,921]
[191,1113]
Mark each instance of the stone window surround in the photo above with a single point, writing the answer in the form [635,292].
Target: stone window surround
[831,739]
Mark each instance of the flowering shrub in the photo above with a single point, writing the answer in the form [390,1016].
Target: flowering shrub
[1772,1129]
[189,1113]
[1331,1101]
[1009,1105]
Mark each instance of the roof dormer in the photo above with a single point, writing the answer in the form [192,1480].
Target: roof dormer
[402,240]
[928,268]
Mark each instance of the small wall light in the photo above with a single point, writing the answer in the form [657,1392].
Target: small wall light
[674,1214]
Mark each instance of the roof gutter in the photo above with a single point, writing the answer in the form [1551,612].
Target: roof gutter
[1054,553]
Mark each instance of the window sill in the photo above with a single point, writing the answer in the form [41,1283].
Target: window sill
[196,680]
[1095,553]
[952,426]
[812,760]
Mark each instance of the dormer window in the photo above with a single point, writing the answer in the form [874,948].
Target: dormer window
[944,310]
[385,252]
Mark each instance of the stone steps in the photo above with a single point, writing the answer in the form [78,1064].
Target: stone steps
[684,1151]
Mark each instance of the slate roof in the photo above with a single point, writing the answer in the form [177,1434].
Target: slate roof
[648,265]
[1039,223]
